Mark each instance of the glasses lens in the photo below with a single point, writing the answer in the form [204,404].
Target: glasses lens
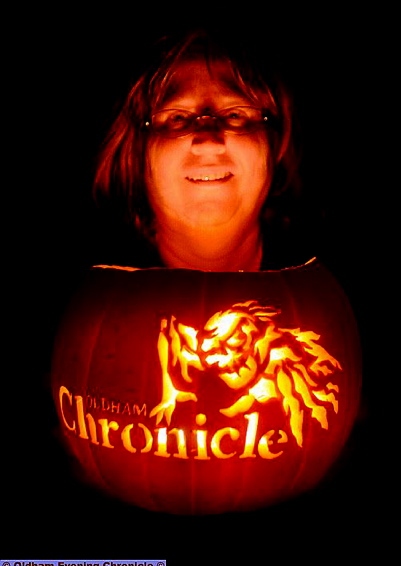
[241,119]
[173,123]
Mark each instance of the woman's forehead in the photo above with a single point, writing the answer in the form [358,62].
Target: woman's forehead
[199,77]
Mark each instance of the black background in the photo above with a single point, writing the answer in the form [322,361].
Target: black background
[68,69]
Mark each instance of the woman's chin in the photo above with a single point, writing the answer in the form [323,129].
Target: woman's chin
[210,216]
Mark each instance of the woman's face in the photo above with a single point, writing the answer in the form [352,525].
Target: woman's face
[209,178]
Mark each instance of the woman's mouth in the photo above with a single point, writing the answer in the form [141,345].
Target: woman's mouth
[222,177]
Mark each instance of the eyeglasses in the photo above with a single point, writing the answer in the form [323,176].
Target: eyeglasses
[175,123]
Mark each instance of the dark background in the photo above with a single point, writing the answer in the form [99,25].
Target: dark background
[68,72]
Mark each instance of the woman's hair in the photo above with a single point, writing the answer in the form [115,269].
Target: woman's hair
[120,165]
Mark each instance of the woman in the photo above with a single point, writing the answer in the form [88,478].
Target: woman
[202,158]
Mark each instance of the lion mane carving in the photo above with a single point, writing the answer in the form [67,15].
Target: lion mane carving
[254,357]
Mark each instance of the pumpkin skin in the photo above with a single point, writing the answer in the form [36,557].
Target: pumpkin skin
[191,392]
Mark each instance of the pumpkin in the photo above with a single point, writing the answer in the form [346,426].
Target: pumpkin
[191,392]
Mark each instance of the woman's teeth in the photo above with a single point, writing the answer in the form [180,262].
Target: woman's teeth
[210,177]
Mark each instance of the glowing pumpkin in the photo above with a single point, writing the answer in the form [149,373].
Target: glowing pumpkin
[192,392]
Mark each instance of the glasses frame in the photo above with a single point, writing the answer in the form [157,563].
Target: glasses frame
[214,120]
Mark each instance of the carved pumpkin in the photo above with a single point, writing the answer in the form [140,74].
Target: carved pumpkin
[192,392]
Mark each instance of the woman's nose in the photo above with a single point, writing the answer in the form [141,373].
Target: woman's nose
[208,141]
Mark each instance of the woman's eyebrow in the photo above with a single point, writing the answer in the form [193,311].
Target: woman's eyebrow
[194,104]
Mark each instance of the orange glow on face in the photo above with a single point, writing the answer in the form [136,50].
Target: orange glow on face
[254,357]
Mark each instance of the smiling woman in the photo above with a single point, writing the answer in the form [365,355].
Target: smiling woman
[199,153]
[207,186]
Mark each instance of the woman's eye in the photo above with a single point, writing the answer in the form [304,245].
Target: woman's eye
[177,121]
[178,118]
[235,118]
[233,114]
